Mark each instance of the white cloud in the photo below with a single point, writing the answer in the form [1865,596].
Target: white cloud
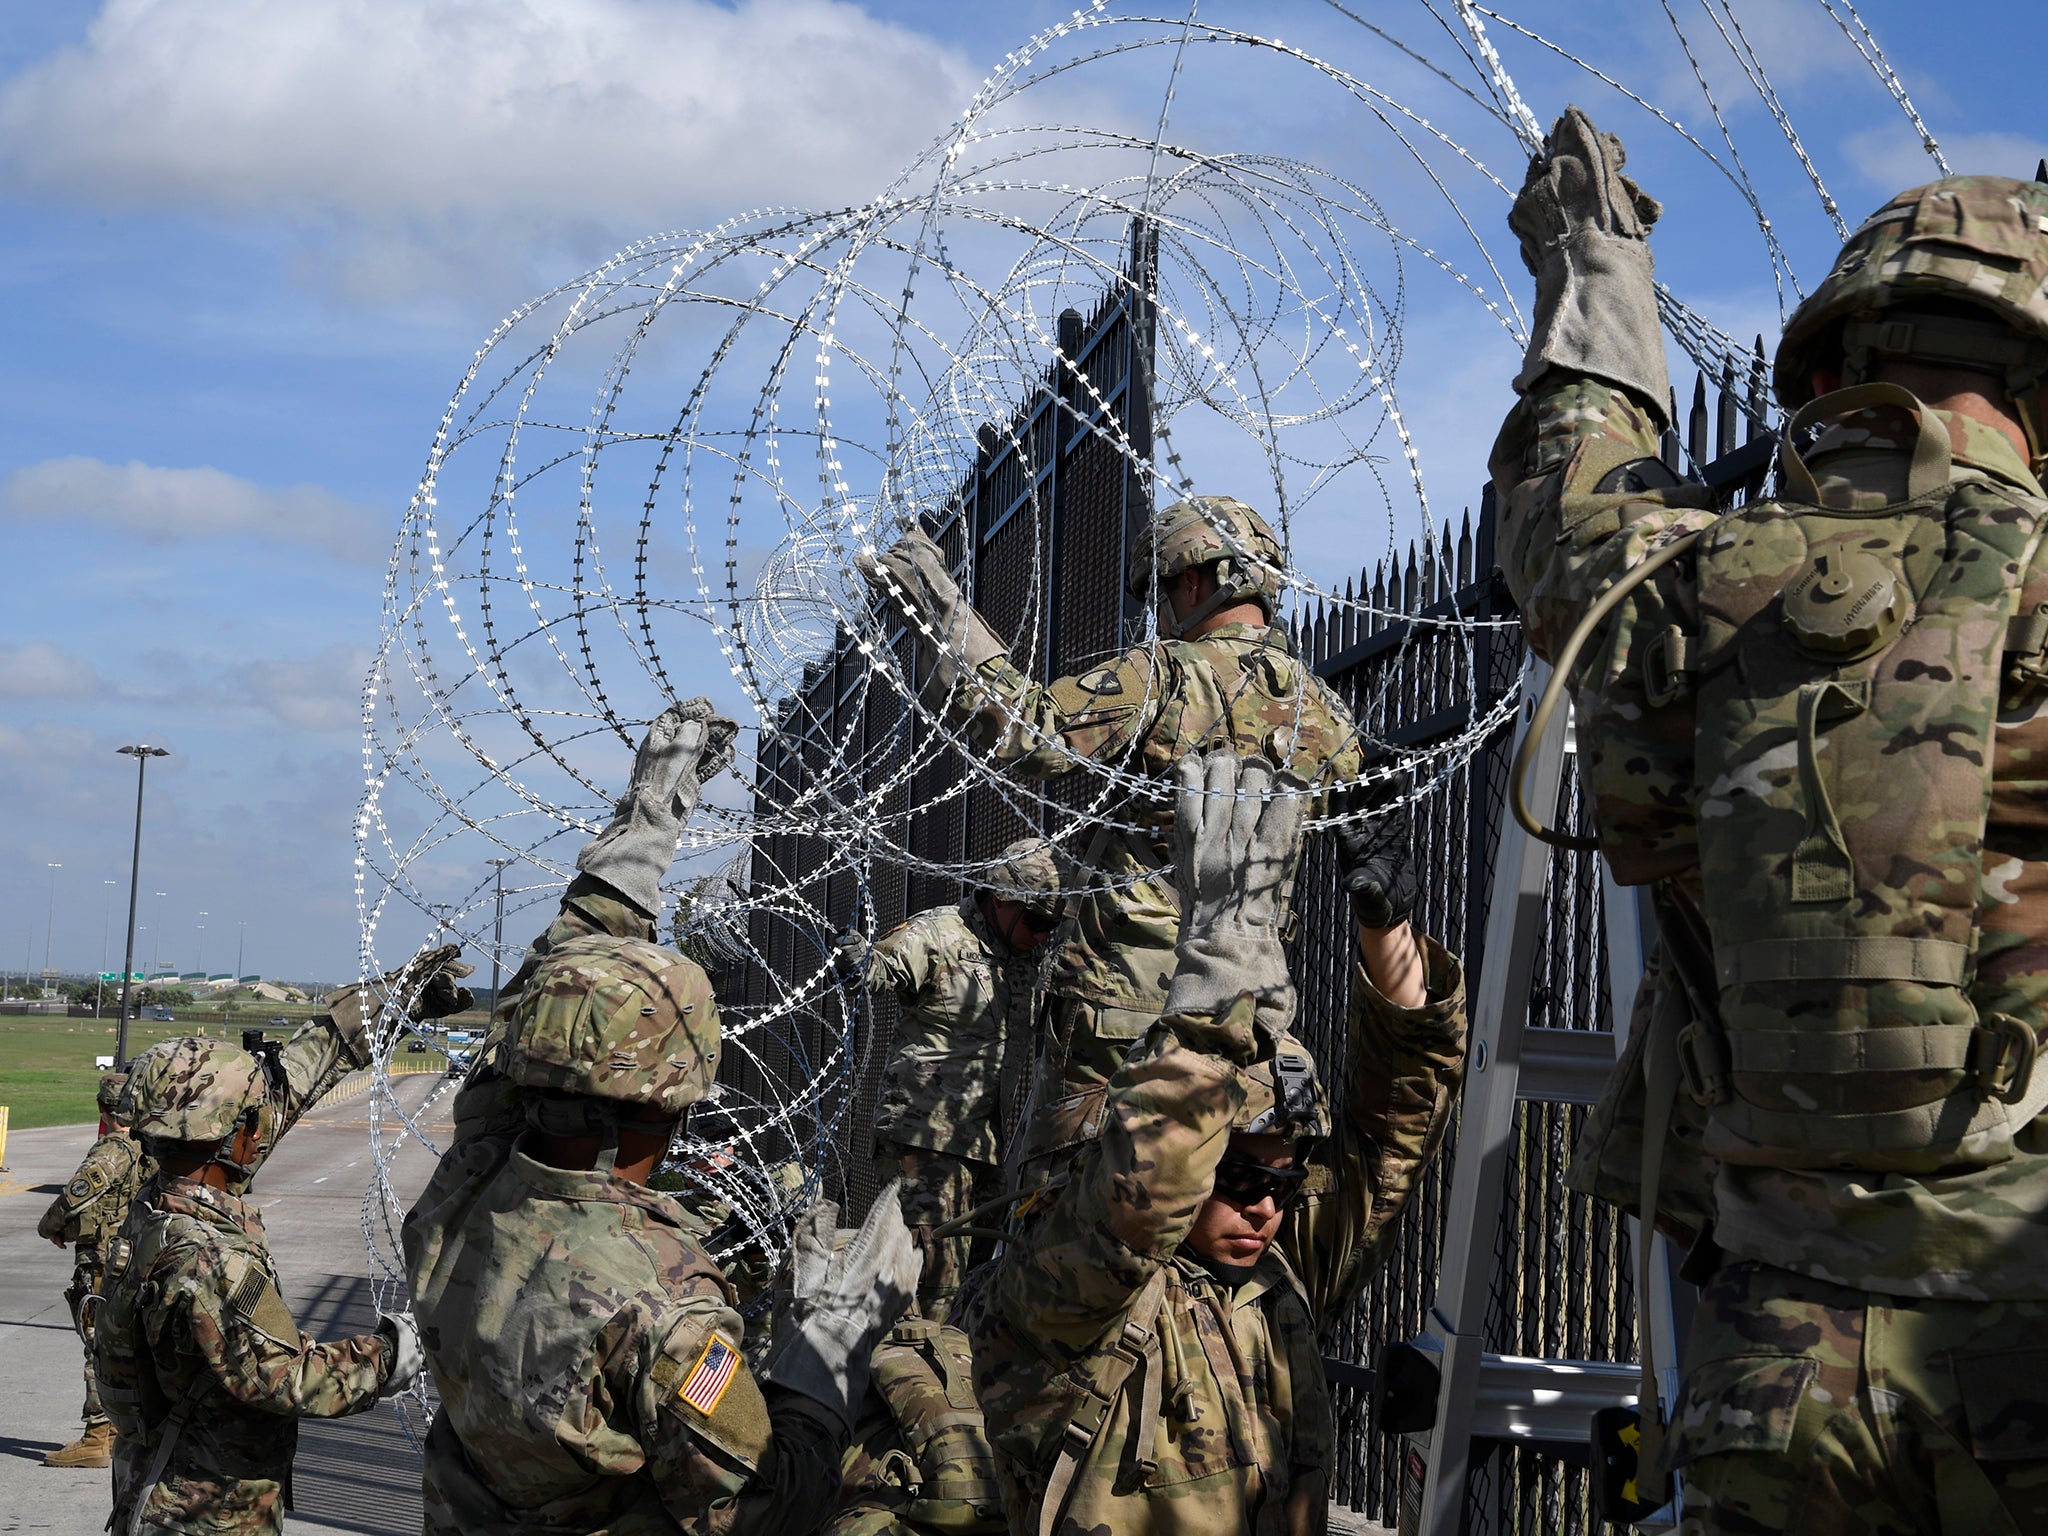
[313,693]
[166,505]
[1893,159]
[449,112]
[41,671]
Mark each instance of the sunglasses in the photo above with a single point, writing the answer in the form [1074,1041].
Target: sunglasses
[1242,1181]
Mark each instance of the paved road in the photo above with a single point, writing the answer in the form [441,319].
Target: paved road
[356,1475]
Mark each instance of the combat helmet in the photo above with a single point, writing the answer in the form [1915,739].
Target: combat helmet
[1954,274]
[1284,1097]
[1200,531]
[612,1031]
[112,1097]
[1028,873]
[193,1090]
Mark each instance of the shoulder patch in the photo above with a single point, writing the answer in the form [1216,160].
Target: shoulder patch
[255,1301]
[1104,680]
[82,1188]
[703,1380]
[704,1387]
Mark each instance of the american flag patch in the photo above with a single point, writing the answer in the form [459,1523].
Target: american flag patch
[710,1376]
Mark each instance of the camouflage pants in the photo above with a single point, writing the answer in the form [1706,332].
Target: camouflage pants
[936,1189]
[1814,1408]
[83,1298]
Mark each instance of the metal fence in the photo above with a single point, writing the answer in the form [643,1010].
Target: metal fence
[1428,650]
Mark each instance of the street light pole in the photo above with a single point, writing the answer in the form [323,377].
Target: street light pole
[50,922]
[156,937]
[99,996]
[241,935]
[497,927]
[142,754]
[199,958]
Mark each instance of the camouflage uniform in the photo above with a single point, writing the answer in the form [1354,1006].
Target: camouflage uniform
[525,1273]
[920,1460]
[1219,1420]
[87,1215]
[1240,684]
[1869,1357]
[201,1367]
[966,1000]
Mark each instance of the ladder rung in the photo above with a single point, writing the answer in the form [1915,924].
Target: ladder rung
[1564,1066]
[1527,1399]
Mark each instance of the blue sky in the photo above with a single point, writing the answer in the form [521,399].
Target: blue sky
[248,250]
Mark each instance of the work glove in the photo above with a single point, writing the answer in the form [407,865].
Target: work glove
[1236,834]
[407,1356]
[841,1300]
[685,745]
[1372,853]
[911,579]
[850,950]
[428,986]
[1584,229]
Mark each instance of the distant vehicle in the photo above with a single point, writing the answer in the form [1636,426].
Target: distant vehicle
[459,1037]
[417,1045]
[280,1022]
[104,1063]
[159,1013]
[458,1063]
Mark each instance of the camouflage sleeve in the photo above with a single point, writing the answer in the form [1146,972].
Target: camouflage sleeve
[899,964]
[1405,1066]
[242,1330]
[1039,729]
[1134,1194]
[762,1465]
[1584,498]
[92,1179]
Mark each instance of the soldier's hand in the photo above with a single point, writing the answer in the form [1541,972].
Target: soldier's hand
[1577,184]
[686,745]
[402,1334]
[428,986]
[850,952]
[1372,852]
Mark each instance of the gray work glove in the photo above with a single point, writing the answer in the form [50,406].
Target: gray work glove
[402,1334]
[850,950]
[1236,834]
[841,1301]
[687,744]
[1373,853]
[912,579]
[1584,229]
[428,986]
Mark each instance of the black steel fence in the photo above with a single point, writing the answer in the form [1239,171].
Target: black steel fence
[1423,648]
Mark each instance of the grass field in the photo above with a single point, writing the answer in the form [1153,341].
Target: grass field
[46,1071]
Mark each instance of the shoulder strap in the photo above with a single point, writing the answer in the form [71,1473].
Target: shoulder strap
[1138,1344]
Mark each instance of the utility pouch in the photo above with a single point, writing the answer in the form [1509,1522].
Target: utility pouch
[1851,670]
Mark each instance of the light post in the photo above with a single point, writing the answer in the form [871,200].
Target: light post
[497,927]
[199,958]
[99,996]
[156,937]
[50,922]
[142,754]
[241,936]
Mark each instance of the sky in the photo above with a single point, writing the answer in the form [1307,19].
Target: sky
[249,250]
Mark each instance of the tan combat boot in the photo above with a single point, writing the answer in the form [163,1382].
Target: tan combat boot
[94,1448]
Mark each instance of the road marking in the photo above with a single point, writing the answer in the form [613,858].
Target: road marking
[321,1180]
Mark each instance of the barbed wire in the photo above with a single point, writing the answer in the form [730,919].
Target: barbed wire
[653,481]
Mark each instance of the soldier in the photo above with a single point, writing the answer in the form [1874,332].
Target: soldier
[1816,723]
[88,1213]
[964,976]
[1220,674]
[1148,1354]
[586,1350]
[201,1367]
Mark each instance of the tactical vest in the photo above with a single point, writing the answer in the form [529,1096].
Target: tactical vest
[1843,672]
[924,1372]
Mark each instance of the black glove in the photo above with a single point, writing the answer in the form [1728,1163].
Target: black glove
[1372,852]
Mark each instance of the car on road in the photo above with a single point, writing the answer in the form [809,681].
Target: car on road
[280,1022]
[159,1013]
[458,1063]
